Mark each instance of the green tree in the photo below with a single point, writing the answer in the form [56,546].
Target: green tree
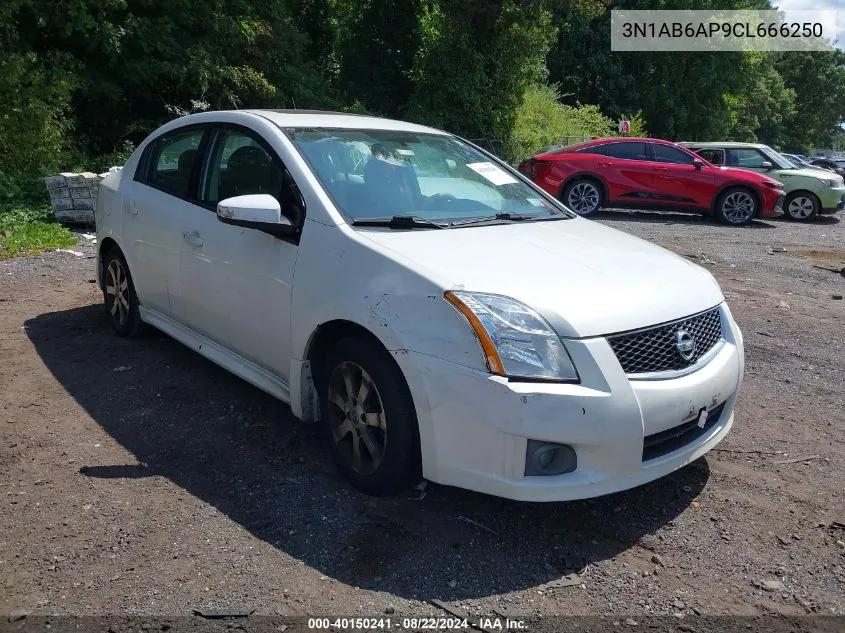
[376,52]
[818,80]
[138,61]
[682,94]
[475,61]
[762,112]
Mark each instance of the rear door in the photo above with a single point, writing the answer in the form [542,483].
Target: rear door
[154,207]
[677,182]
[628,170]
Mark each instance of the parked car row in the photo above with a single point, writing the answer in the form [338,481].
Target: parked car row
[809,191]
[735,182]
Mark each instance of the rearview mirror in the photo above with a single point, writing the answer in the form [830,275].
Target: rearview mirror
[766,165]
[698,164]
[258,211]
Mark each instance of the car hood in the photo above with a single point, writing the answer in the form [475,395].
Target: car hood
[585,278]
[808,172]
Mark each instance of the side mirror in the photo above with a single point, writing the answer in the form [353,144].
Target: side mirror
[766,165]
[258,211]
[698,164]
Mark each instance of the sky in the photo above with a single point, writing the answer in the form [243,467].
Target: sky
[805,5]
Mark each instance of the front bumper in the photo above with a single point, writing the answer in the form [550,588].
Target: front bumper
[475,427]
[776,208]
[833,200]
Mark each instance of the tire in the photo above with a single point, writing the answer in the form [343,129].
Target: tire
[583,196]
[122,304]
[801,206]
[382,425]
[737,206]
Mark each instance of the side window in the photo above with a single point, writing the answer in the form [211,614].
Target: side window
[627,151]
[747,157]
[712,156]
[239,165]
[669,154]
[594,149]
[171,161]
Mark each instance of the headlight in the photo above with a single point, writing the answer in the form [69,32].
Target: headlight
[517,342]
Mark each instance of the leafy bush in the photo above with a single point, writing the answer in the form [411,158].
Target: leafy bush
[27,230]
[542,120]
[118,157]
[35,122]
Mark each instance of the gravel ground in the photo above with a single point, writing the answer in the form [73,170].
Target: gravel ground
[138,478]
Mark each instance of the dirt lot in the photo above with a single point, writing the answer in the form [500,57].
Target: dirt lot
[136,477]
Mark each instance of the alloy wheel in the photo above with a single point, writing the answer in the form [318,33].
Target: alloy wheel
[356,418]
[801,208]
[739,207]
[117,292]
[583,198]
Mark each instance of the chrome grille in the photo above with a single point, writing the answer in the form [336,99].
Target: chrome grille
[654,349]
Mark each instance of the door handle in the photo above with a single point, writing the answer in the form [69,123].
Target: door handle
[130,207]
[193,238]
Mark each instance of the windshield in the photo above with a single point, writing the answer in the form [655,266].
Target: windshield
[385,173]
[779,161]
[794,160]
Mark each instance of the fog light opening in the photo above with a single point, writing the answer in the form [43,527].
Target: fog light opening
[548,458]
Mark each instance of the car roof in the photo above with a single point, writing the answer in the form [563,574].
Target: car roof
[303,119]
[342,120]
[554,149]
[720,144]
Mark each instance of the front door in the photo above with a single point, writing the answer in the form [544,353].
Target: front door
[237,281]
[677,181]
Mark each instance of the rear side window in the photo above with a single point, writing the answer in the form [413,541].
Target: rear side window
[170,161]
[627,151]
[669,154]
[712,156]
[594,149]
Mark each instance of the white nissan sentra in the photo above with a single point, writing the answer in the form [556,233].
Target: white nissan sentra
[437,314]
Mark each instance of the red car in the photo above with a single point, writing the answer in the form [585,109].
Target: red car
[648,173]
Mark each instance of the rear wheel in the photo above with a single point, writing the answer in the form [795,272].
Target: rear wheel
[119,296]
[801,205]
[583,196]
[369,418]
[736,206]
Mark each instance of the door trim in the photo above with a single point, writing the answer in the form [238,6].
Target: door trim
[216,353]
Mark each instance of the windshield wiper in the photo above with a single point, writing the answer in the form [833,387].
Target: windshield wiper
[506,216]
[400,222]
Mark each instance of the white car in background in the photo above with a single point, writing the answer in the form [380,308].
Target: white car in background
[435,312]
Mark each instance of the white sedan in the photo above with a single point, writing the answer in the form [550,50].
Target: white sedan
[437,314]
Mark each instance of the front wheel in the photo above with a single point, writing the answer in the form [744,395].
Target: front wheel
[736,206]
[583,196]
[369,418]
[801,205]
